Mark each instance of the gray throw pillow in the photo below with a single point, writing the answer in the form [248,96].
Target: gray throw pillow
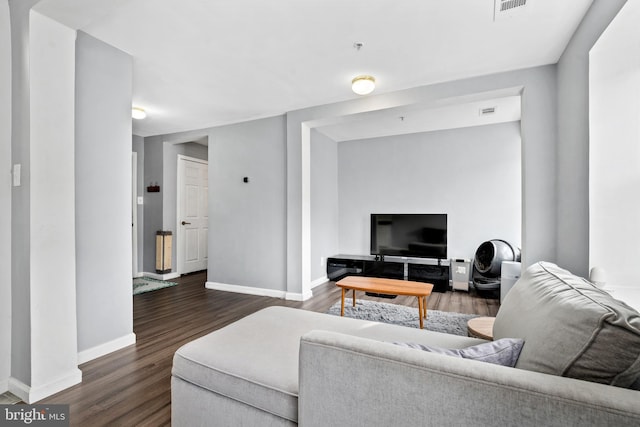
[572,328]
[503,352]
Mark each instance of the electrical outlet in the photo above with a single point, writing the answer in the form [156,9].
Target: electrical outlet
[322,261]
[140,200]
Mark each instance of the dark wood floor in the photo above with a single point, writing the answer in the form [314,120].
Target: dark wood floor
[131,387]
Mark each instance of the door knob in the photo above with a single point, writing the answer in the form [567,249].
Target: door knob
[185,223]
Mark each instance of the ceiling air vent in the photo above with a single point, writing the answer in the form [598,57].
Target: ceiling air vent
[487,110]
[508,8]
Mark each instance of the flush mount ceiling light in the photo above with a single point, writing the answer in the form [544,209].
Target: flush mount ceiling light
[138,113]
[363,85]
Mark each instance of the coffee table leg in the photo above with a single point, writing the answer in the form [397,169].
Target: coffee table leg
[420,310]
[424,306]
[353,297]
[342,306]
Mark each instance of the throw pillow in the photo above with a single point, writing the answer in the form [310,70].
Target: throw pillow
[571,327]
[503,352]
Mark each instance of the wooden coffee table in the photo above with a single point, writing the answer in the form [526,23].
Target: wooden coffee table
[388,287]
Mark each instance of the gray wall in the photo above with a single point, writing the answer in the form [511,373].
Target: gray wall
[103,192]
[5,196]
[324,203]
[153,170]
[471,174]
[573,138]
[247,221]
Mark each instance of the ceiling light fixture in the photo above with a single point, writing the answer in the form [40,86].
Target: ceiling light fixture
[138,113]
[363,85]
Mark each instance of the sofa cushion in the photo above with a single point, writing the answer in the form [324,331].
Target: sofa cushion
[503,352]
[570,327]
[255,359]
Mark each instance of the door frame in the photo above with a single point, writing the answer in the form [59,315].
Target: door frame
[179,238]
[135,272]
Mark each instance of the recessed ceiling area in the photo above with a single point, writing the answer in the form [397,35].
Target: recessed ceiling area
[199,64]
[404,120]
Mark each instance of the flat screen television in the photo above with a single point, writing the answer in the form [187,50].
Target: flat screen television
[409,235]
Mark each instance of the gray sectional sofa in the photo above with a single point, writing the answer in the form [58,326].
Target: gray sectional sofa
[283,366]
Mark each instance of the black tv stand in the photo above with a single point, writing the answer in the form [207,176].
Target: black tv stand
[435,271]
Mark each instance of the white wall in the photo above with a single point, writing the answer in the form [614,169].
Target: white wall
[20,197]
[614,151]
[53,299]
[324,203]
[472,174]
[103,197]
[5,196]
[573,137]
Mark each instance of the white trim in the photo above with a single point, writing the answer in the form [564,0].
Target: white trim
[305,139]
[19,389]
[106,348]
[193,159]
[33,394]
[319,281]
[134,212]
[4,385]
[295,296]
[167,276]
[245,290]
[141,274]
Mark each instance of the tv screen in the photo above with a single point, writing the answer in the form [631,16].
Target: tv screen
[409,235]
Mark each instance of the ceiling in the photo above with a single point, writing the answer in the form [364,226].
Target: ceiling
[198,64]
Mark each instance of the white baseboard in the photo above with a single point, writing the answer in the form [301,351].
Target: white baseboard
[319,281]
[137,275]
[19,389]
[297,296]
[293,296]
[106,348]
[245,290]
[33,394]
[4,385]
[157,276]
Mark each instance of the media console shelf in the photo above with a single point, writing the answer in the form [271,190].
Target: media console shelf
[415,269]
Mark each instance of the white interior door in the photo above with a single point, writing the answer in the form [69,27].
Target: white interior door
[193,217]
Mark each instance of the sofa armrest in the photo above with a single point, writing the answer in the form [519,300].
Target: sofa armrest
[347,380]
